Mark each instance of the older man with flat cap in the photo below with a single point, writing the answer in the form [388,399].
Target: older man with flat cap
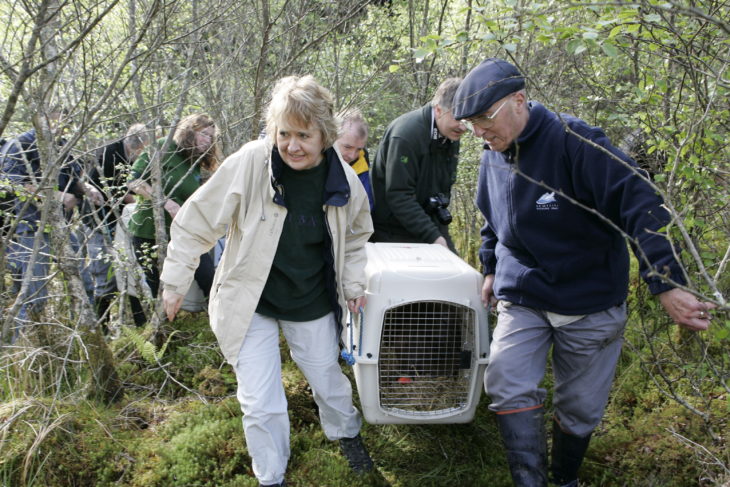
[559,200]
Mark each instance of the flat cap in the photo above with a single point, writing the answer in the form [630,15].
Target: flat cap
[489,82]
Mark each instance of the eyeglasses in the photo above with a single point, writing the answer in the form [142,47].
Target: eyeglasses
[209,134]
[483,121]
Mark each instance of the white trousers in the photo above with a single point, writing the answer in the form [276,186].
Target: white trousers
[313,346]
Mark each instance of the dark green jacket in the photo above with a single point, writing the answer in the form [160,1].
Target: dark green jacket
[409,168]
[180,179]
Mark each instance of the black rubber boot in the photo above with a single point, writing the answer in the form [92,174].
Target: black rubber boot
[282,484]
[523,434]
[567,455]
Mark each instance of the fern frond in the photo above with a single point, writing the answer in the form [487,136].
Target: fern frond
[147,349]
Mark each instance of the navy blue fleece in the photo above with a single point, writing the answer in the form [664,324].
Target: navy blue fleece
[549,253]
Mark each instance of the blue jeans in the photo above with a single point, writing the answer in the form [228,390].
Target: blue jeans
[35,295]
[98,248]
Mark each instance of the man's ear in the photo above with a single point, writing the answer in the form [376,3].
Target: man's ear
[520,98]
[438,111]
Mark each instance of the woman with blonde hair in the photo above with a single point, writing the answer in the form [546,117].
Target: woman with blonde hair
[194,149]
[297,220]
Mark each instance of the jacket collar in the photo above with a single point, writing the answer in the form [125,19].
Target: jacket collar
[336,187]
[535,120]
[537,114]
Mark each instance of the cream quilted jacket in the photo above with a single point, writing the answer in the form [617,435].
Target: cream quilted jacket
[239,201]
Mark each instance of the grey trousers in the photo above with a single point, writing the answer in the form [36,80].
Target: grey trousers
[585,353]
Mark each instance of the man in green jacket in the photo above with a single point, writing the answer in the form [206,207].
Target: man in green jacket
[414,169]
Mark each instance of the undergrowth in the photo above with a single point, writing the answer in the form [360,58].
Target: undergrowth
[180,425]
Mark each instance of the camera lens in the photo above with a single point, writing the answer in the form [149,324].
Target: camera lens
[444,216]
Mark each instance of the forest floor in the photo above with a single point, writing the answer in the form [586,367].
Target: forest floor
[179,424]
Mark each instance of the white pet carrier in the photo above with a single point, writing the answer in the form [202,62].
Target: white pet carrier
[421,346]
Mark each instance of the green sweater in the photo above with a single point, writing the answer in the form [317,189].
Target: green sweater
[296,289]
[409,168]
[180,179]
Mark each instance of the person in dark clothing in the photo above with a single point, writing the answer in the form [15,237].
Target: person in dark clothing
[558,199]
[413,172]
[109,175]
[24,173]
[351,145]
[7,197]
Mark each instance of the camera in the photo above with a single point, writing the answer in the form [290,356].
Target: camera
[438,205]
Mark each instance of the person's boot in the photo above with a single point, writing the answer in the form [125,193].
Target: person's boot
[567,455]
[281,484]
[357,455]
[523,434]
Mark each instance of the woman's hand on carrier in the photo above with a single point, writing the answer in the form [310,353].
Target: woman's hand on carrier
[354,305]
[171,302]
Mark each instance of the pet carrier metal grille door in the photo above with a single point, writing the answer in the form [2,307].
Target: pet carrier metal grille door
[421,348]
[425,357]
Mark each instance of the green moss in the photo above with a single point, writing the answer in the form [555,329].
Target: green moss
[658,447]
[169,434]
[197,445]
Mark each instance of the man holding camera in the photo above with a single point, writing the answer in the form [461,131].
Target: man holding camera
[413,172]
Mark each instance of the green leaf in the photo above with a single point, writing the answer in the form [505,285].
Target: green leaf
[393,68]
[429,43]
[609,49]
[615,31]
[576,46]
[420,54]
[511,47]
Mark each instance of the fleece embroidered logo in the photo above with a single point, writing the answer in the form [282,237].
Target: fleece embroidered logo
[547,202]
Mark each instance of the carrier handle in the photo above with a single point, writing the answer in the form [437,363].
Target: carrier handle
[345,354]
[360,316]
